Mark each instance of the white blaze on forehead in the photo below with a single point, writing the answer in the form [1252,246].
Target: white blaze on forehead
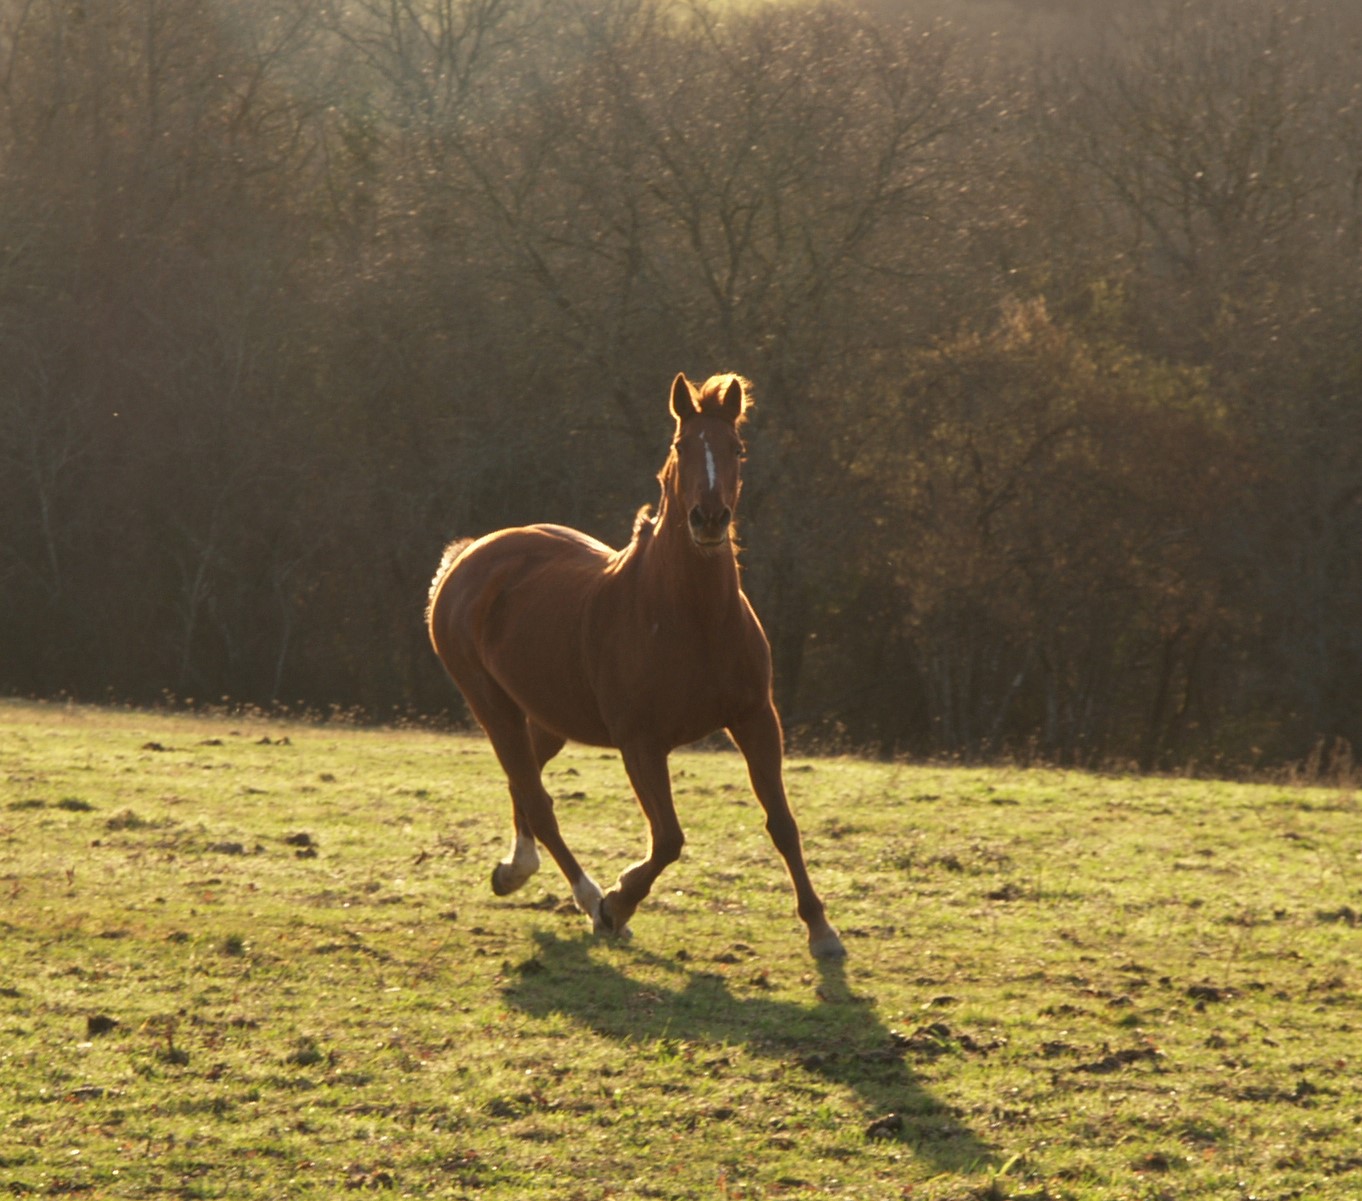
[710,469]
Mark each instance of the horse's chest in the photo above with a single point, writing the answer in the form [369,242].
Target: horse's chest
[676,670]
[699,683]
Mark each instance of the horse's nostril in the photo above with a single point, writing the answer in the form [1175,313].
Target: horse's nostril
[710,526]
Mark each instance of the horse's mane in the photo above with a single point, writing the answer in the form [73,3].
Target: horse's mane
[643,522]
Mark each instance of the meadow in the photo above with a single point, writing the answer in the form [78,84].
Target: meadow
[244,958]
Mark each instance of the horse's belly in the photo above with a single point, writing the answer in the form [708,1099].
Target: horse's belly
[552,692]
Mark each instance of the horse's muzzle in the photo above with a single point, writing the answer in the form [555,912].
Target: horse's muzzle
[710,528]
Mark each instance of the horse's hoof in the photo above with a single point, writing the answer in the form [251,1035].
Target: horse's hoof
[827,945]
[503,881]
[604,926]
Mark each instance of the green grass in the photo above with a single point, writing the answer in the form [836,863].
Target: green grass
[243,959]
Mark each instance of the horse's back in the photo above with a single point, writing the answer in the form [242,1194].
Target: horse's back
[524,561]
[550,539]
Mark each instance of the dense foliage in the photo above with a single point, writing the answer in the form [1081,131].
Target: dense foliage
[1052,316]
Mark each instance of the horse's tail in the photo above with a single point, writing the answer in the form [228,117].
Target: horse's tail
[447,560]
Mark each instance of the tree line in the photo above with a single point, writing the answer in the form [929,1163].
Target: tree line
[1053,325]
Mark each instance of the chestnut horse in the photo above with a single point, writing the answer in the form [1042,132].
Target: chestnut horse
[551,635]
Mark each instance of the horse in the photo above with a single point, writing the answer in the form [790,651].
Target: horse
[551,635]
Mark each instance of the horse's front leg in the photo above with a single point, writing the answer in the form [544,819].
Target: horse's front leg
[760,740]
[647,768]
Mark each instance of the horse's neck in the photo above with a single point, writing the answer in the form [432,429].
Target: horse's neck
[705,585]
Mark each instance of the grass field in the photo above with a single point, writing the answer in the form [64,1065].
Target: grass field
[245,959]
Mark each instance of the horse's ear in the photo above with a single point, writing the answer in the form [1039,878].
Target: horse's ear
[733,401]
[683,398]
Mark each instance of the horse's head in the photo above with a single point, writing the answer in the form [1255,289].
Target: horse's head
[707,456]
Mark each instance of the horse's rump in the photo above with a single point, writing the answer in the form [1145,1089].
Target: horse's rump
[515,604]
[447,560]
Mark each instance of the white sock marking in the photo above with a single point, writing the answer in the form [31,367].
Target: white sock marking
[519,866]
[525,857]
[587,893]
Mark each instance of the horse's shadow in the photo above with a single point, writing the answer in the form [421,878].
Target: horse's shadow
[837,1038]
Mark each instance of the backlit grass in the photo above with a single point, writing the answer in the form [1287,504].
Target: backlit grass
[248,959]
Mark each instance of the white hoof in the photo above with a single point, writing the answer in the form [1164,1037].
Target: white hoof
[826,944]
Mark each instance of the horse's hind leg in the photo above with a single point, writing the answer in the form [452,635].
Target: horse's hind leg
[523,861]
[522,753]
